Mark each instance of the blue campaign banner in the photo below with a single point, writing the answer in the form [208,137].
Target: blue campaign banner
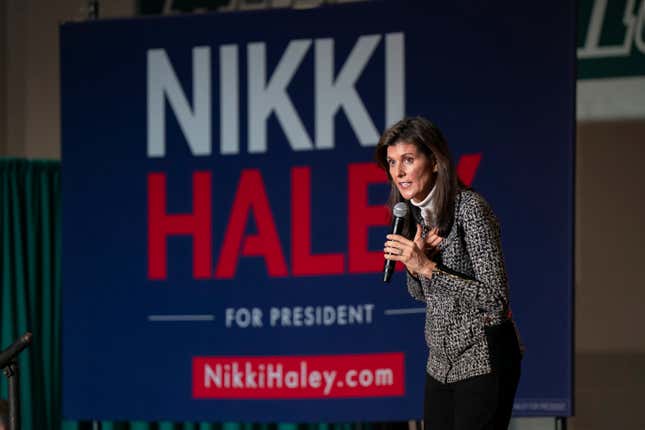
[224,219]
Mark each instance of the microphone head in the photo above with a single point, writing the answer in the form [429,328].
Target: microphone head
[26,338]
[400,210]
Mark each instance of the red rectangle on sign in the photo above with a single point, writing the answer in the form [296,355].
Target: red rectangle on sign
[313,376]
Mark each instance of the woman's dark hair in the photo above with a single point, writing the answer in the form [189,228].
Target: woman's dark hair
[430,141]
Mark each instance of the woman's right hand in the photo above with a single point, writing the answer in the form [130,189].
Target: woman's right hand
[415,254]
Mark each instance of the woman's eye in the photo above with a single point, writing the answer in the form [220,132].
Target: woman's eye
[408,160]
[391,162]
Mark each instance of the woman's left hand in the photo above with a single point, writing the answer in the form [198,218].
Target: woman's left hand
[431,242]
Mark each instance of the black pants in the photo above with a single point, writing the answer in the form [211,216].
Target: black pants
[483,402]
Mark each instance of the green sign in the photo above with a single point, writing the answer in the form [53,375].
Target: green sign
[611,38]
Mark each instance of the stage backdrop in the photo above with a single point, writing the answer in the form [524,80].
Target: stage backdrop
[223,218]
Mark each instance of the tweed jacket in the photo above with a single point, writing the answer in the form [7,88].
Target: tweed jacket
[467,291]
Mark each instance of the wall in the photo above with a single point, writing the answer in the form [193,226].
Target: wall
[30,93]
[610,211]
[3,79]
[610,347]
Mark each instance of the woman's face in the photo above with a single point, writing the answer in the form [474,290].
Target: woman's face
[411,170]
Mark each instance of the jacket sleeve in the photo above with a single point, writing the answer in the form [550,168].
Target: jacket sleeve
[415,286]
[488,289]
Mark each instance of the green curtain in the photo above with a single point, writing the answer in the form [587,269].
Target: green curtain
[30,283]
[30,294]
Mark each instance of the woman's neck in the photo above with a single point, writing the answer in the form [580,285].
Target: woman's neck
[425,203]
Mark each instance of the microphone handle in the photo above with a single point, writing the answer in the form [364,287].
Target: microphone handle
[388,268]
[397,228]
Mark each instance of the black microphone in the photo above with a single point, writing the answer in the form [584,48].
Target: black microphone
[399,212]
[10,353]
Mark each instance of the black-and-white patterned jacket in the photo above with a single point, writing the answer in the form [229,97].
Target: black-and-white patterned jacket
[467,292]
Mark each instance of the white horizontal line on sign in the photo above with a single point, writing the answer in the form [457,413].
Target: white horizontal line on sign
[165,318]
[405,311]
[611,98]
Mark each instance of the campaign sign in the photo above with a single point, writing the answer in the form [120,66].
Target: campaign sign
[224,218]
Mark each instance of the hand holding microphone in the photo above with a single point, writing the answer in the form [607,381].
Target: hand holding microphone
[409,252]
[399,212]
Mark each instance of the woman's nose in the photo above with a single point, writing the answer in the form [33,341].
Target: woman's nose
[400,171]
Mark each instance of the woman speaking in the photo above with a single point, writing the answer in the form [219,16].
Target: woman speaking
[452,250]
